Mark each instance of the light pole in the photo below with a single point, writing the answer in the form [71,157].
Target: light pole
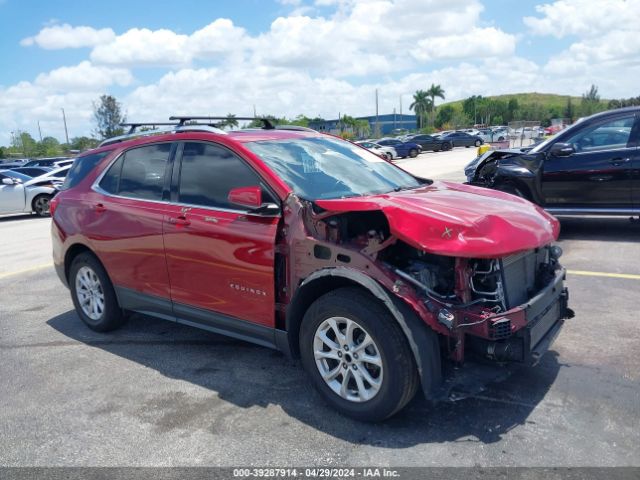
[66,132]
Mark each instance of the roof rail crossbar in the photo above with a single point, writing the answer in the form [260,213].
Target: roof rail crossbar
[134,126]
[266,123]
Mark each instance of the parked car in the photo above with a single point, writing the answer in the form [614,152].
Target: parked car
[500,134]
[429,142]
[404,149]
[592,167]
[442,133]
[471,131]
[461,139]
[50,162]
[56,175]
[22,194]
[21,162]
[306,243]
[31,171]
[387,152]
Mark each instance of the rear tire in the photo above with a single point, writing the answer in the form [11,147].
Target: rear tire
[354,342]
[93,295]
[478,143]
[447,146]
[40,205]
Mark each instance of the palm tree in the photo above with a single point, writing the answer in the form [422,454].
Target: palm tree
[421,105]
[433,92]
[230,121]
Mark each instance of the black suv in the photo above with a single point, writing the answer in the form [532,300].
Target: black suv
[592,167]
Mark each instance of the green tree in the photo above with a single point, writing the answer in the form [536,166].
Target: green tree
[444,115]
[48,147]
[569,111]
[83,143]
[512,109]
[300,121]
[421,105]
[230,121]
[590,103]
[108,116]
[3,153]
[433,92]
[25,144]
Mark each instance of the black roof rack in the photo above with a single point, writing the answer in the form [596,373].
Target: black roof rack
[182,119]
[134,126]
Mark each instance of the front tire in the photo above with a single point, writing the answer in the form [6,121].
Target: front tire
[357,356]
[413,153]
[40,205]
[93,295]
[478,143]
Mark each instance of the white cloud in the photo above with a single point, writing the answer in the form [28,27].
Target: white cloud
[84,76]
[141,46]
[584,18]
[477,43]
[607,40]
[65,36]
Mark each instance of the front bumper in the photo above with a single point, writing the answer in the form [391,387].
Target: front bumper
[540,321]
[488,361]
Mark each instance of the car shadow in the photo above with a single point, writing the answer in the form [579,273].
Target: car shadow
[247,375]
[613,229]
[18,217]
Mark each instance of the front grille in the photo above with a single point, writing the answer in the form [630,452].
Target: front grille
[519,275]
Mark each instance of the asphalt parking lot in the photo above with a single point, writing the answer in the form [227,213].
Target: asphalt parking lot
[160,394]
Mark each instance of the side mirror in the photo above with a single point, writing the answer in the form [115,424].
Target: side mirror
[7,181]
[561,149]
[251,198]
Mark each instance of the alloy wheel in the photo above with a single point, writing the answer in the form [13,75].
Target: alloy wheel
[41,205]
[348,359]
[90,293]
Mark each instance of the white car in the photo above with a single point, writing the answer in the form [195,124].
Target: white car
[56,176]
[22,194]
[388,152]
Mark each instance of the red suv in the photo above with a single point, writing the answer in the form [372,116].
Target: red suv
[379,281]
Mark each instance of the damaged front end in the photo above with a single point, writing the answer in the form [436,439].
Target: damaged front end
[485,303]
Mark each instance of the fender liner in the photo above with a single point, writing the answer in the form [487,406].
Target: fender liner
[422,340]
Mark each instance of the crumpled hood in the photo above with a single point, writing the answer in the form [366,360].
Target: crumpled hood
[458,220]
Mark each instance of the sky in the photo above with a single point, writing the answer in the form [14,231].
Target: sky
[290,57]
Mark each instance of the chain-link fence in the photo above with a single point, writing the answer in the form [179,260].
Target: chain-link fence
[524,132]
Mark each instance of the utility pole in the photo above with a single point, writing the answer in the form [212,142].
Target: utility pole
[66,132]
[39,131]
[401,119]
[394,119]
[254,110]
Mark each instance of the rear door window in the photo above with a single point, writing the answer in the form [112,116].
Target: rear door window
[139,172]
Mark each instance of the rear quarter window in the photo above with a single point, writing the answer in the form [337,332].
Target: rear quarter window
[81,168]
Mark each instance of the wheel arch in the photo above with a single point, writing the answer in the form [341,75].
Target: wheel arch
[72,252]
[423,341]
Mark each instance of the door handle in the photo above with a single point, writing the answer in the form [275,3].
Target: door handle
[616,162]
[99,207]
[181,220]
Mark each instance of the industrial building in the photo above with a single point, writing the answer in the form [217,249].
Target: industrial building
[381,125]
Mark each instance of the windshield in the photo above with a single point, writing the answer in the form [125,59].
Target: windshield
[19,176]
[320,168]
